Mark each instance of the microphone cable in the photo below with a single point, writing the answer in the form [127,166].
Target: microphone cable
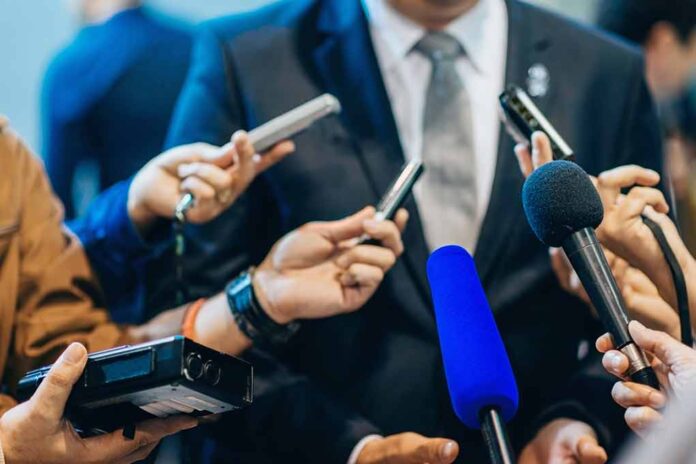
[179,254]
[680,288]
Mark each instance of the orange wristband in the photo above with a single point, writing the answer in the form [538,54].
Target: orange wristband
[188,326]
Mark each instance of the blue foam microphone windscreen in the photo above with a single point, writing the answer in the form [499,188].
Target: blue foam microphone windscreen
[477,367]
[559,199]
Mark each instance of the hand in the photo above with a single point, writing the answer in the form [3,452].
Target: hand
[318,270]
[564,441]
[216,176]
[673,362]
[644,303]
[409,448]
[541,153]
[36,431]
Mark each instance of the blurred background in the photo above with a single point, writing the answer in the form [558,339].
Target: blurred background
[32,31]
[95,102]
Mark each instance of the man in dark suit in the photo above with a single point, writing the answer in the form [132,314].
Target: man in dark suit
[388,60]
[109,95]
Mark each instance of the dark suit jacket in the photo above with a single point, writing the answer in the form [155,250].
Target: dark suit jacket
[384,361]
[109,95]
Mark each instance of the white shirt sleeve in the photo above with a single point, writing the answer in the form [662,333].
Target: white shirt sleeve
[353,458]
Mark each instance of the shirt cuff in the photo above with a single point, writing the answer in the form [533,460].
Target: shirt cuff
[353,458]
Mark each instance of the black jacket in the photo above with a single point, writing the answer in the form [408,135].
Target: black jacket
[380,369]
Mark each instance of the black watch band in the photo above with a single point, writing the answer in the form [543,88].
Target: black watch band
[250,317]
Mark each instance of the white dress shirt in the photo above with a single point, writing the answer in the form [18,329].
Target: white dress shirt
[482,31]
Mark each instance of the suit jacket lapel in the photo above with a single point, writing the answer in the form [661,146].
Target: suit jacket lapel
[524,46]
[348,68]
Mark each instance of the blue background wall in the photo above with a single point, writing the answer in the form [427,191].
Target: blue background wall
[31,31]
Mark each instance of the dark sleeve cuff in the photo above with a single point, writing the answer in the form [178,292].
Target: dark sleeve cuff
[108,234]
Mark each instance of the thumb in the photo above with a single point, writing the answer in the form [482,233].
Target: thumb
[53,393]
[343,229]
[664,347]
[437,451]
[588,451]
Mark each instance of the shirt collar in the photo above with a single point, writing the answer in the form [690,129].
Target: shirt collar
[400,34]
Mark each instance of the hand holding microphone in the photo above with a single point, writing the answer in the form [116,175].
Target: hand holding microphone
[674,363]
[479,375]
[563,208]
[318,270]
[216,176]
[623,231]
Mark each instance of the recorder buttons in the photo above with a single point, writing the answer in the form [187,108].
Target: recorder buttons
[212,373]
[194,366]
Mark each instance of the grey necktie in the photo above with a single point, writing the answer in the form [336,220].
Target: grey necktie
[447,190]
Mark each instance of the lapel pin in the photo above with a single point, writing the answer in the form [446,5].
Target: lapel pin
[538,80]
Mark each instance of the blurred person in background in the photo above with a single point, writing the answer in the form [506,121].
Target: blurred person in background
[108,96]
[666,30]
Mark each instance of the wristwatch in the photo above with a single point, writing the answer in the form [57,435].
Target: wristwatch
[251,318]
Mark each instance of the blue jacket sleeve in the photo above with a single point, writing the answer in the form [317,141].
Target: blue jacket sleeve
[116,250]
[65,144]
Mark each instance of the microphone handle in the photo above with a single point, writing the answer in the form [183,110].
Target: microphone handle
[496,438]
[588,260]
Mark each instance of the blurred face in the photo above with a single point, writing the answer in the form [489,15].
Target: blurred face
[433,14]
[90,11]
[669,61]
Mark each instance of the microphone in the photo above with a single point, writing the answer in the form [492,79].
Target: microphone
[563,209]
[479,376]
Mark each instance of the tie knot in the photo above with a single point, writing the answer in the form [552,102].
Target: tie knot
[439,46]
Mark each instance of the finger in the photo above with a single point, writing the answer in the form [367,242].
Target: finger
[651,310]
[362,275]
[245,169]
[276,154]
[343,229]
[223,157]
[628,176]
[629,394]
[139,455]
[436,451]
[198,188]
[589,452]
[171,159]
[615,363]
[385,232]
[524,159]
[218,178]
[661,345]
[371,255]
[52,395]
[639,282]
[401,219]
[542,152]
[604,343]
[641,419]
[638,198]
[114,446]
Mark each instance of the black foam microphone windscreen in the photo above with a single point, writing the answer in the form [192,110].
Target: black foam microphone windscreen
[559,199]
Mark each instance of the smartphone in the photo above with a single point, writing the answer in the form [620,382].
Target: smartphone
[522,118]
[276,130]
[396,194]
